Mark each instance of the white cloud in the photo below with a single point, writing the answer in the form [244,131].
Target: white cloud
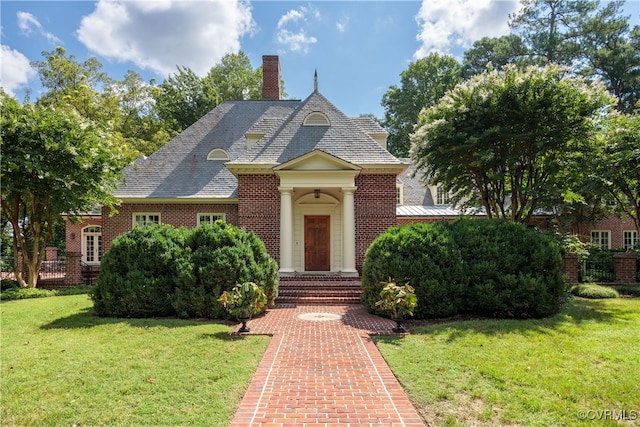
[28,24]
[161,35]
[15,71]
[341,25]
[290,31]
[447,24]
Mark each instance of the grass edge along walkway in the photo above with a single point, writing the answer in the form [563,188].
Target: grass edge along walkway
[61,365]
[576,368]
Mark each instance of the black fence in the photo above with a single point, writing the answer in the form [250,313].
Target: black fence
[599,270]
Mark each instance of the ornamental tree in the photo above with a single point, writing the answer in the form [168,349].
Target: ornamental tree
[506,140]
[52,163]
[619,166]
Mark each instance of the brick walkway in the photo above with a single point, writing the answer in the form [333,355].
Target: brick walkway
[322,369]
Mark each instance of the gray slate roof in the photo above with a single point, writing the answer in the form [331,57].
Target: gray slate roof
[180,169]
[289,139]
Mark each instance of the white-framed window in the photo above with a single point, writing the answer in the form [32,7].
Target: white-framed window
[144,218]
[443,196]
[399,194]
[601,238]
[92,244]
[218,154]
[629,239]
[210,218]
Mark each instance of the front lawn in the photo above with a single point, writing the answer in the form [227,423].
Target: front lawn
[579,367]
[61,365]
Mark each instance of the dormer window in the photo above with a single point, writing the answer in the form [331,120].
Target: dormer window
[316,119]
[218,154]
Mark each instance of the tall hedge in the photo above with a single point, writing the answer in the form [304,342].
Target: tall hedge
[222,256]
[425,256]
[158,270]
[493,268]
[138,274]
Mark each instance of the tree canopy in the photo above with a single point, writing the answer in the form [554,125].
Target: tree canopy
[618,167]
[53,162]
[423,83]
[506,139]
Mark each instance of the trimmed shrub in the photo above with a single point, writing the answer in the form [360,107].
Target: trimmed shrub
[593,291]
[158,270]
[24,293]
[512,270]
[138,274]
[423,255]
[631,290]
[222,256]
[492,268]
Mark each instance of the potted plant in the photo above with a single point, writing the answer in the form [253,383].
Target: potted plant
[243,301]
[398,302]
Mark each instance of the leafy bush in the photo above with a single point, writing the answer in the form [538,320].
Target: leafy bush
[632,290]
[138,274]
[158,270]
[593,291]
[222,256]
[487,267]
[6,284]
[24,293]
[423,255]
[512,271]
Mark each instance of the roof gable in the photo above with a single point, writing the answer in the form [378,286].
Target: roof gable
[317,160]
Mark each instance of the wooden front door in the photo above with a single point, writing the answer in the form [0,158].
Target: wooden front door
[317,243]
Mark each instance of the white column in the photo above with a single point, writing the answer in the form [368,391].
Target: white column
[348,231]
[286,230]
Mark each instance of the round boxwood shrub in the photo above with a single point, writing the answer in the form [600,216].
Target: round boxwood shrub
[492,268]
[158,270]
[222,256]
[423,255]
[512,270]
[138,274]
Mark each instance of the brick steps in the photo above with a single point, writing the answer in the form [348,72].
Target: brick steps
[315,291]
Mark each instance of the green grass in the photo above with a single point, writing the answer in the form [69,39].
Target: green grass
[525,372]
[61,365]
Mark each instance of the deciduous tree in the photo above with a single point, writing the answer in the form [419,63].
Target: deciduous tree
[505,139]
[422,84]
[53,162]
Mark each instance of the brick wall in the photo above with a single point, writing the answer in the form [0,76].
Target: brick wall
[178,215]
[375,205]
[73,233]
[259,209]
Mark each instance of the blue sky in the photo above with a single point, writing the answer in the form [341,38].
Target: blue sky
[359,48]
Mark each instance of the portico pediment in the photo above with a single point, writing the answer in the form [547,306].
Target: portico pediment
[317,160]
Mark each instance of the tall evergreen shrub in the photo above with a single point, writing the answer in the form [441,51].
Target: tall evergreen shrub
[137,275]
[423,255]
[222,256]
[512,270]
[158,270]
[493,268]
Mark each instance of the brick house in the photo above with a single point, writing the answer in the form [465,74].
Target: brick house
[315,185]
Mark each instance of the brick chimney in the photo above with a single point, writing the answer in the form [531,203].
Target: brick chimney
[270,77]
